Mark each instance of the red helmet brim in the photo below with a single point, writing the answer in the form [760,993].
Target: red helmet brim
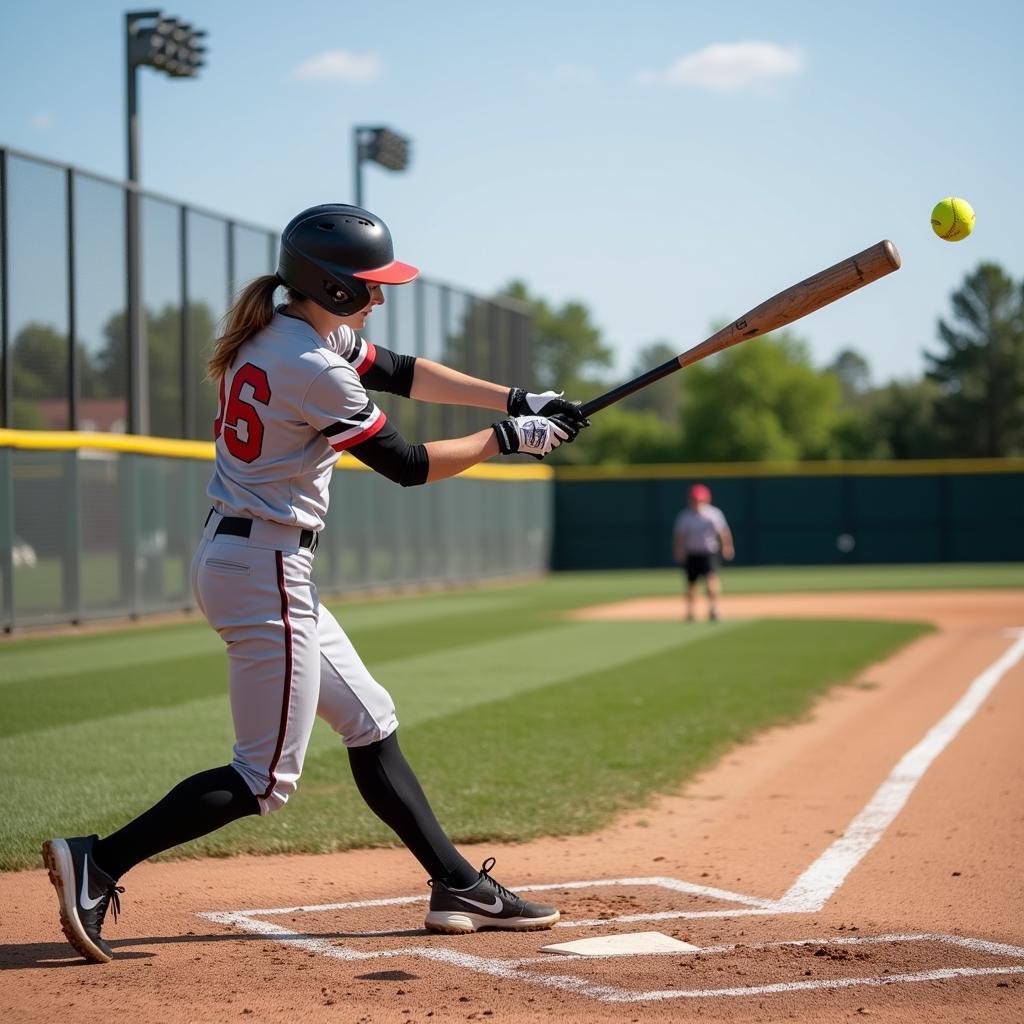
[394,272]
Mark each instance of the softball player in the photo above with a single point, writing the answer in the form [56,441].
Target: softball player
[699,535]
[293,394]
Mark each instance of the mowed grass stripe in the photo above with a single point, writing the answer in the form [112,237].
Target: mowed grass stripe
[484,611]
[24,660]
[626,583]
[569,757]
[88,699]
[115,718]
[76,678]
[606,741]
[95,774]
[78,695]
[437,684]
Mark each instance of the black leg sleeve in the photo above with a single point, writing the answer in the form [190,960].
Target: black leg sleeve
[199,805]
[393,793]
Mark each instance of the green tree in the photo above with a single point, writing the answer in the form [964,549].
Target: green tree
[39,370]
[854,375]
[905,417]
[856,434]
[618,436]
[163,339]
[202,327]
[662,399]
[39,361]
[980,367]
[568,349]
[111,360]
[757,402]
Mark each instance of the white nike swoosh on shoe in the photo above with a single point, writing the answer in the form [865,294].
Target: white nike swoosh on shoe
[490,907]
[83,898]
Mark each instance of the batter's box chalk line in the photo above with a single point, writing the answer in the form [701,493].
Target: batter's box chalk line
[808,894]
[517,969]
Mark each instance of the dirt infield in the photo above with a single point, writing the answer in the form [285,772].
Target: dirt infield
[864,864]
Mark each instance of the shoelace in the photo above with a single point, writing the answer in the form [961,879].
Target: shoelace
[484,873]
[485,869]
[111,897]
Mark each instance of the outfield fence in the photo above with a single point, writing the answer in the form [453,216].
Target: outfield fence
[812,513]
[95,526]
[91,340]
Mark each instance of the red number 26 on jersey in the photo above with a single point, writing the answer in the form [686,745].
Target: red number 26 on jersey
[236,411]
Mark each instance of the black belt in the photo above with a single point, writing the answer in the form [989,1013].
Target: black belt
[236,526]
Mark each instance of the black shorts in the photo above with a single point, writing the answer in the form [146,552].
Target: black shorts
[697,566]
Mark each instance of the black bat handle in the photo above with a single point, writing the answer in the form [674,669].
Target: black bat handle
[610,397]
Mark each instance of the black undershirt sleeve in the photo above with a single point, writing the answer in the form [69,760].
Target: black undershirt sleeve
[391,455]
[391,372]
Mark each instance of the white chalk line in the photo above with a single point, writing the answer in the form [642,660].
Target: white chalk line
[977,945]
[816,886]
[943,974]
[665,883]
[513,969]
[808,894]
[813,889]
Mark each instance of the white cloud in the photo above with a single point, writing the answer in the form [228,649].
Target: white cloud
[42,120]
[730,67]
[339,66]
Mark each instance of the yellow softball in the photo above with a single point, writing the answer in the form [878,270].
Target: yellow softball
[953,219]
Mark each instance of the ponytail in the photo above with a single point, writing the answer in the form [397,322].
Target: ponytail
[253,310]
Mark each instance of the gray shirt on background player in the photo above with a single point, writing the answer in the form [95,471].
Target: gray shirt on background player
[700,534]
[699,531]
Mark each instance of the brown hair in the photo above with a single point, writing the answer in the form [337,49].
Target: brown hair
[253,310]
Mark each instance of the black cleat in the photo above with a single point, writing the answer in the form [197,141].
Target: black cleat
[486,904]
[84,892]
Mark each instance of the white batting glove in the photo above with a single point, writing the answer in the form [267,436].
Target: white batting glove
[547,403]
[533,435]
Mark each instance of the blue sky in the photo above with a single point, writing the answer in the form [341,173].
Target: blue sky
[669,164]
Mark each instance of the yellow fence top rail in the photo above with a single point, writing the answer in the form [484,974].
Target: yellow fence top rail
[55,440]
[711,470]
[63,440]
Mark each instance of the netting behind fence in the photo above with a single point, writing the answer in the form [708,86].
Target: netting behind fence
[88,533]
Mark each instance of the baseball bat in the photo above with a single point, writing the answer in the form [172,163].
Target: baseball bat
[785,308]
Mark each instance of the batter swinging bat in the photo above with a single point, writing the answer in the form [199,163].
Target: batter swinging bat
[785,308]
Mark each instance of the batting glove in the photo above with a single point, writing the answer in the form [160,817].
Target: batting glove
[534,435]
[525,403]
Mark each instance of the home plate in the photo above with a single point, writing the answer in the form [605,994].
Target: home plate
[632,944]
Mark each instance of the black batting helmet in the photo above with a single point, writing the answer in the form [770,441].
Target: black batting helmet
[329,252]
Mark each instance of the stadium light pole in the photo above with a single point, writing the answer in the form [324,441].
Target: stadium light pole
[381,146]
[154,40]
[151,39]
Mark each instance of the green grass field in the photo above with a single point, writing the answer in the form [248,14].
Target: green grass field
[519,723]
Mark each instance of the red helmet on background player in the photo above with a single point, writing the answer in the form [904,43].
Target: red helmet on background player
[699,492]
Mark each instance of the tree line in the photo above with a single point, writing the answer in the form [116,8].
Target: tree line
[40,367]
[763,401]
[767,401]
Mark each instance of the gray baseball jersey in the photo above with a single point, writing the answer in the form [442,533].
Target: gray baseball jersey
[290,403]
[700,532]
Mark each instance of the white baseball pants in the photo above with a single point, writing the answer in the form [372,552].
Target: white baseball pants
[289,659]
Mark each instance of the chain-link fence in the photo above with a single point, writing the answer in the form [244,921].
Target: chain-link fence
[86,533]
[70,360]
[91,533]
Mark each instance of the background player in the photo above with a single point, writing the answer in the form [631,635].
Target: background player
[293,383]
[699,535]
